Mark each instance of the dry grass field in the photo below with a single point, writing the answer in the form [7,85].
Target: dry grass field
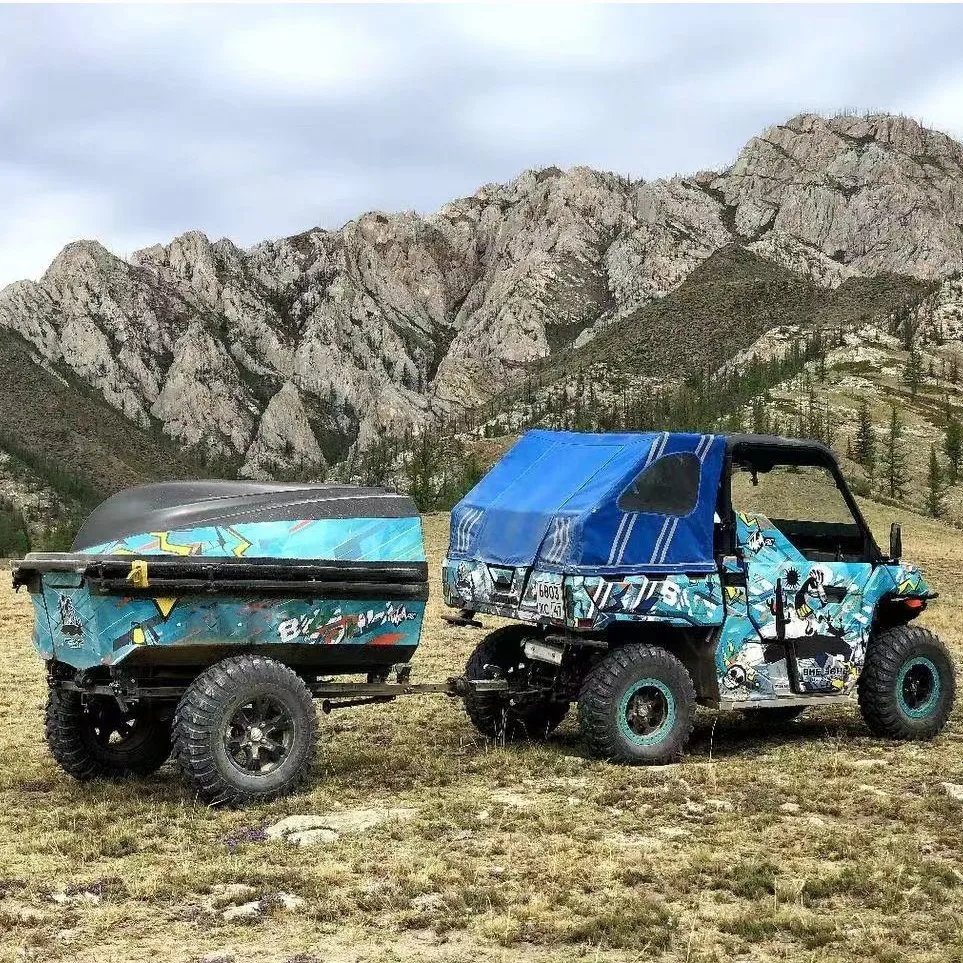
[815,842]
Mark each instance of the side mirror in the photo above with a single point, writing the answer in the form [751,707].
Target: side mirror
[895,542]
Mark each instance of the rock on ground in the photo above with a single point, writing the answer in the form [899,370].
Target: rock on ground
[309,830]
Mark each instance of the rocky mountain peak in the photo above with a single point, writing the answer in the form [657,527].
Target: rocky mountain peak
[83,258]
[284,355]
[875,194]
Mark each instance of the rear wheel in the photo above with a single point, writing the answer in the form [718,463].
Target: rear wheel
[508,718]
[637,705]
[245,731]
[907,686]
[91,737]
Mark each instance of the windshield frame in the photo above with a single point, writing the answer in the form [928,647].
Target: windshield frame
[765,455]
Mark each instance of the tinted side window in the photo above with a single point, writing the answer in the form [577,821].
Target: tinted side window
[669,486]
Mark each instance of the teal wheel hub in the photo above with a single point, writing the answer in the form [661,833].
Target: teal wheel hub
[647,712]
[918,688]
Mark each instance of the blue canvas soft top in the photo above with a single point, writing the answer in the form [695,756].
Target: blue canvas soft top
[592,504]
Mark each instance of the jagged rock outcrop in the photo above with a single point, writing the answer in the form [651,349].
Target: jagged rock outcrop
[284,441]
[204,396]
[333,337]
[877,194]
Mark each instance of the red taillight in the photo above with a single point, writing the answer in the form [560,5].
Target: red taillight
[914,604]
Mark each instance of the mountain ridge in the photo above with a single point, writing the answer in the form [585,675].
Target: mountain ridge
[282,359]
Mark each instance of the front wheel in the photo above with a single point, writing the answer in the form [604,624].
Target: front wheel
[245,731]
[637,705]
[908,685]
[91,737]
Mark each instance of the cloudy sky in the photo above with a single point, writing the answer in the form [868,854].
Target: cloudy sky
[134,124]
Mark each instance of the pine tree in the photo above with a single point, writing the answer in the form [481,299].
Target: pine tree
[894,458]
[13,532]
[865,446]
[913,371]
[953,448]
[821,364]
[760,421]
[934,485]
[908,332]
[377,460]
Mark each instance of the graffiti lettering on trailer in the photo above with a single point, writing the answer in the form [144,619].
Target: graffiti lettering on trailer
[341,626]
[70,624]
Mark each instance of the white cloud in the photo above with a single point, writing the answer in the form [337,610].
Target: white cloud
[941,106]
[544,33]
[305,54]
[530,119]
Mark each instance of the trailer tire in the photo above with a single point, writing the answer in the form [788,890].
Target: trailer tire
[493,716]
[231,713]
[637,705]
[907,686]
[91,737]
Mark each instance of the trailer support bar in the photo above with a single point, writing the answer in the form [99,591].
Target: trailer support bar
[364,691]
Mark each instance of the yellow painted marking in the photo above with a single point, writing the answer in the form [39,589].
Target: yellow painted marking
[138,635]
[169,547]
[165,605]
[138,573]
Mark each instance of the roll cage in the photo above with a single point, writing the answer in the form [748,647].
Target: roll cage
[762,453]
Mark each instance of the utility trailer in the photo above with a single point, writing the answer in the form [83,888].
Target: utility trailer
[204,617]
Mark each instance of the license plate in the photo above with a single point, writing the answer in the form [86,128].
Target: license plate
[548,600]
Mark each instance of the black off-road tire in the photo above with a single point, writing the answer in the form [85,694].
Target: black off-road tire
[630,689]
[93,738]
[493,716]
[772,717]
[219,712]
[908,685]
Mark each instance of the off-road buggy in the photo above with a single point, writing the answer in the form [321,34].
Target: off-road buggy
[649,573]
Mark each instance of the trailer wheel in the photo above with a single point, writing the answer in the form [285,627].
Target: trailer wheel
[637,705]
[495,716]
[907,686]
[245,731]
[93,738]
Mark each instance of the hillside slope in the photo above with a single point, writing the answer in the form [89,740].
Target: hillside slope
[65,449]
[735,306]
